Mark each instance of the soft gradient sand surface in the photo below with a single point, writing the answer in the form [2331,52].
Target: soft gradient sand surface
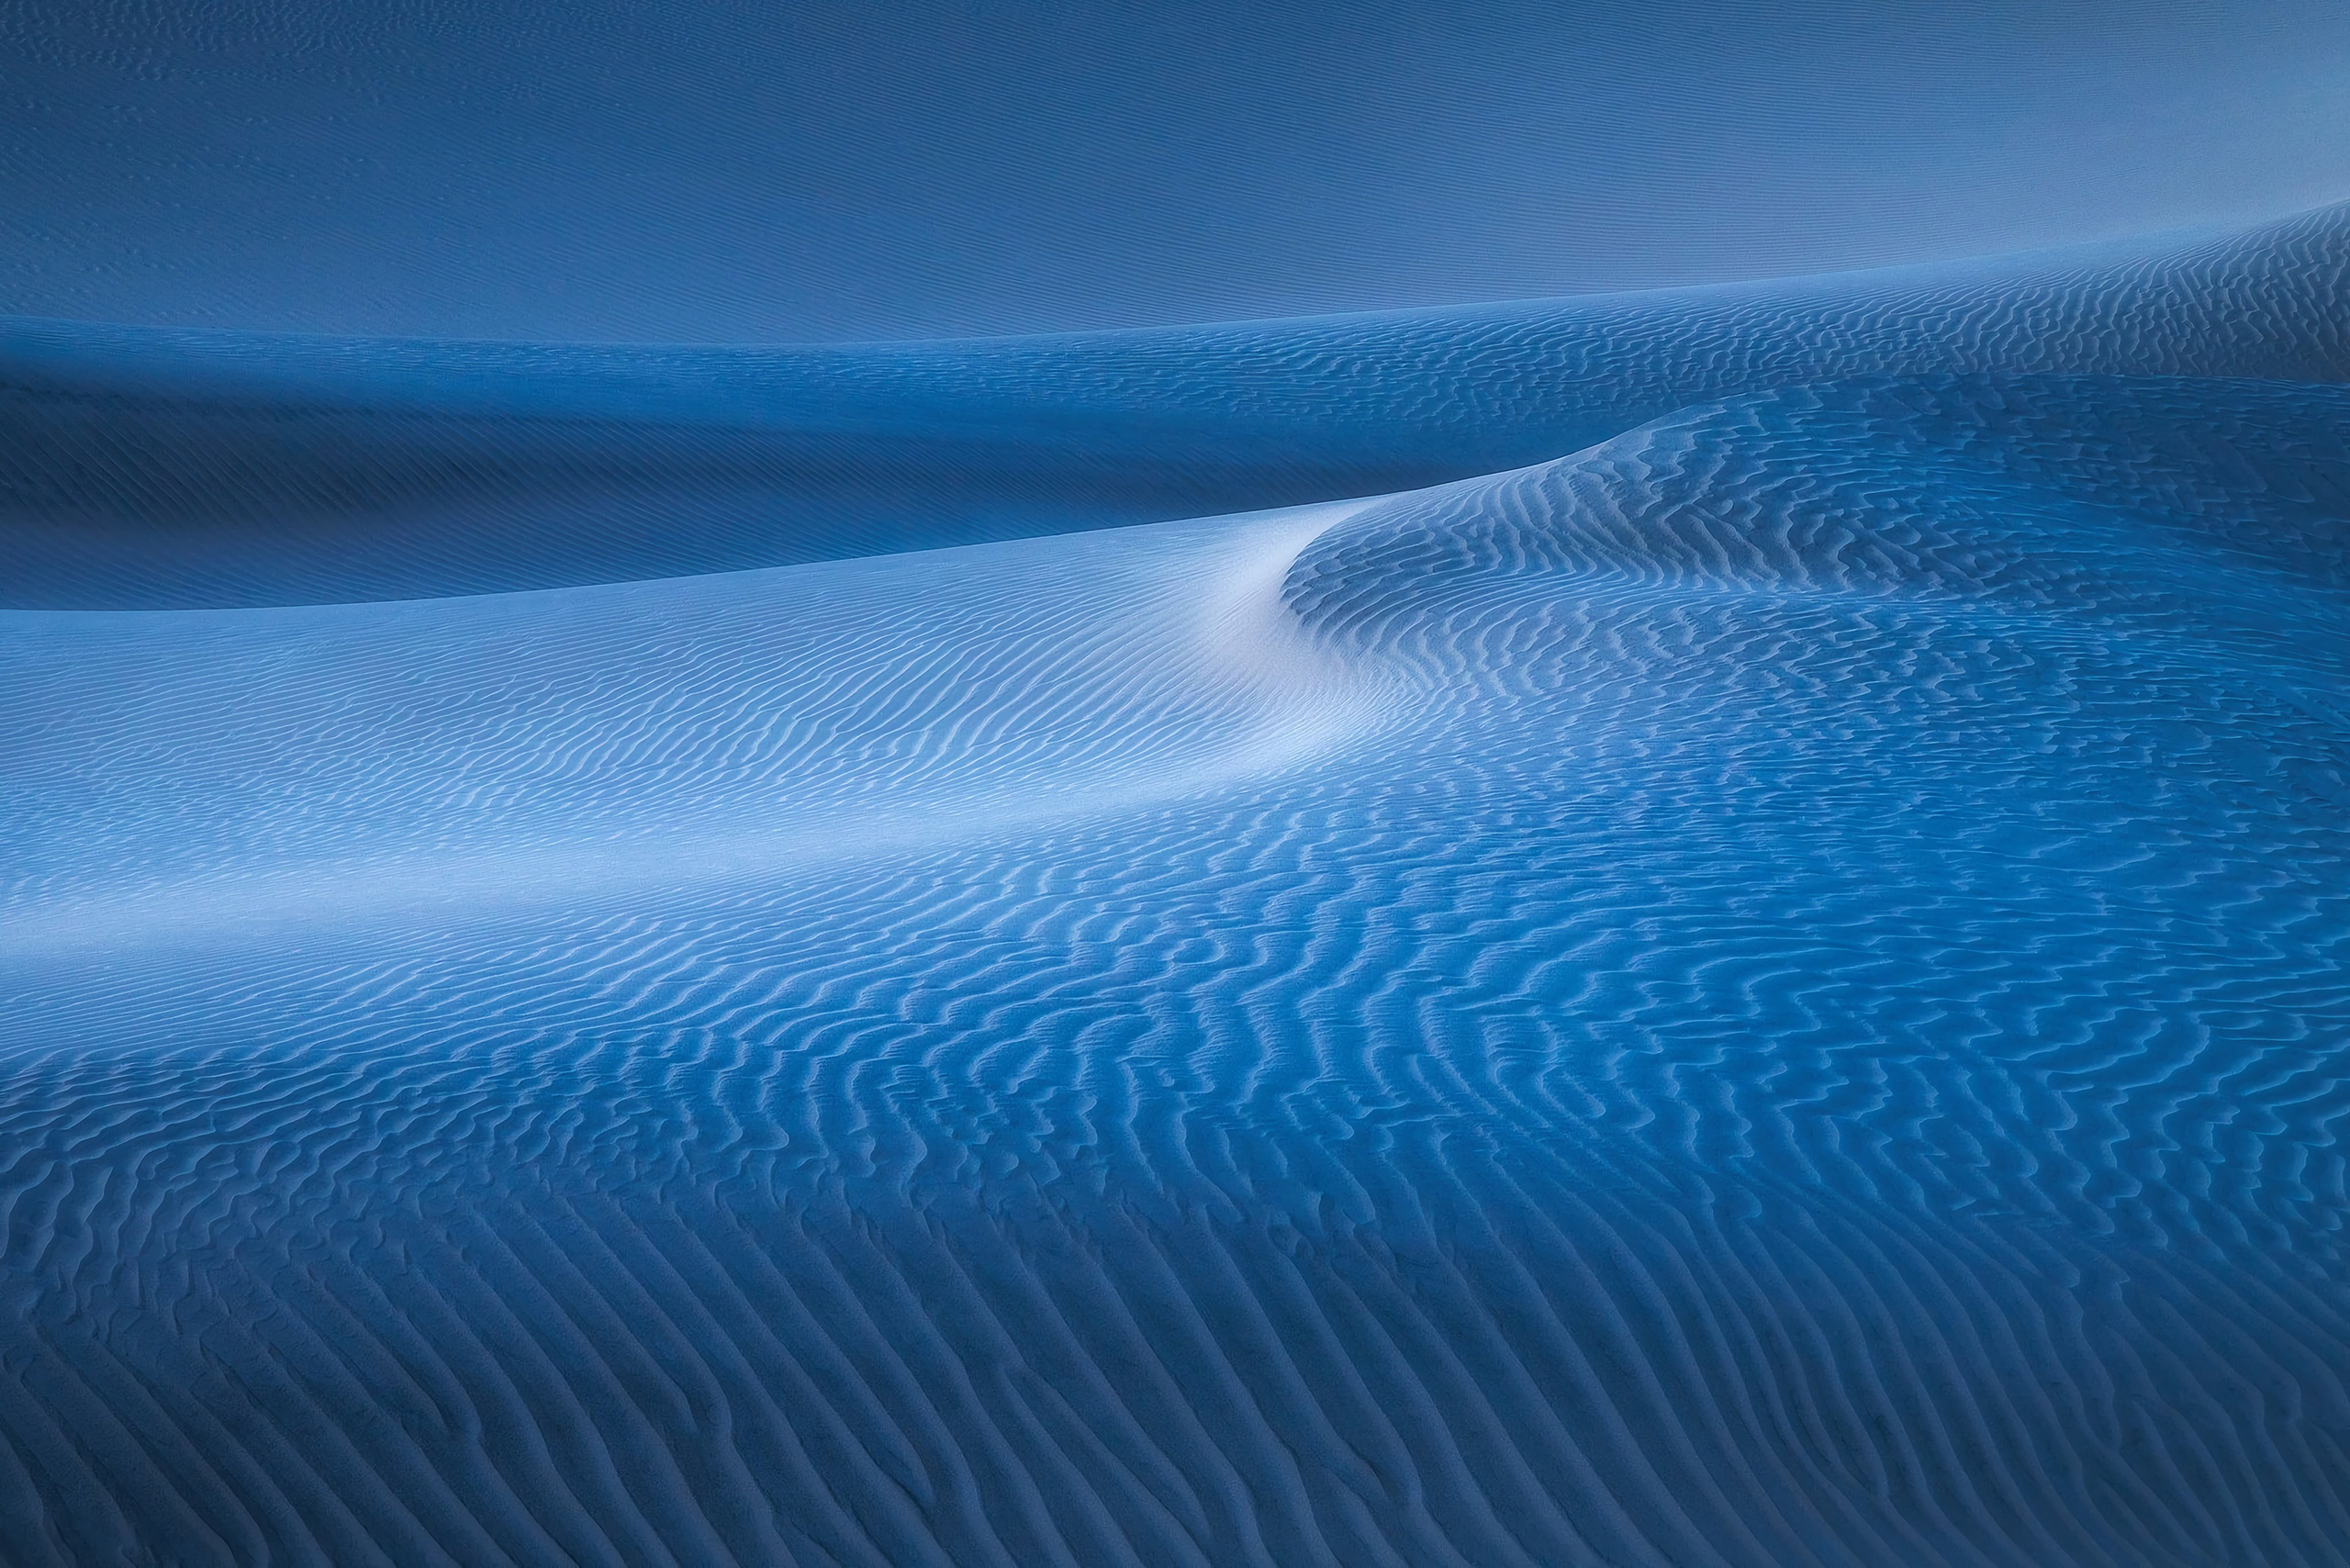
[1755,977]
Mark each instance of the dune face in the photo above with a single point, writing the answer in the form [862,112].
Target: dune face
[1695,928]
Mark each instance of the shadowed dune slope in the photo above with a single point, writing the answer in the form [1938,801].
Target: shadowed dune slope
[1768,989]
[146,468]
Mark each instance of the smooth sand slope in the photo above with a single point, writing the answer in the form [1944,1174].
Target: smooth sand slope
[1766,989]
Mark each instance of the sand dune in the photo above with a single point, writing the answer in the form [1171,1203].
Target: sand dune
[1744,965]
[144,468]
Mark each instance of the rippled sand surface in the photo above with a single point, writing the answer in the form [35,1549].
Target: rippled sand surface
[1705,928]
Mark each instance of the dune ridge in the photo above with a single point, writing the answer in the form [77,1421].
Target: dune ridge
[153,469]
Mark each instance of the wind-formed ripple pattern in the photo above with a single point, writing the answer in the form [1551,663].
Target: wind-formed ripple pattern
[1706,928]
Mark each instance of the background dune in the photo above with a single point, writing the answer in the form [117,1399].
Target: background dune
[162,469]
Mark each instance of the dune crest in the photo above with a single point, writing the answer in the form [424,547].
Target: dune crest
[154,468]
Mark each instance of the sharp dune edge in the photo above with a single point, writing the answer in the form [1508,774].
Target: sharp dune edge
[1739,961]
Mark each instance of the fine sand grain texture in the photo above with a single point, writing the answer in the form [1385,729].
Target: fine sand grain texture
[1698,928]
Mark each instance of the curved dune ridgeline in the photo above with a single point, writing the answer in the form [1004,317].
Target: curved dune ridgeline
[151,469]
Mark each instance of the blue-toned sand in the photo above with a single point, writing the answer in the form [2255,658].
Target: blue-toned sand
[1695,928]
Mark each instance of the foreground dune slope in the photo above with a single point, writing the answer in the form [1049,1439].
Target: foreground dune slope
[1764,989]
